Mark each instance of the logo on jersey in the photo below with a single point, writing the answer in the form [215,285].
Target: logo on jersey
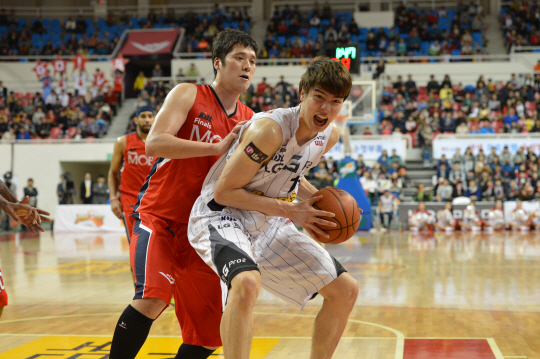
[319,140]
[168,277]
[254,153]
[205,117]
[141,160]
[207,137]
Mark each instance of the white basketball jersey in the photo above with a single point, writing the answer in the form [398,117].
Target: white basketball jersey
[280,177]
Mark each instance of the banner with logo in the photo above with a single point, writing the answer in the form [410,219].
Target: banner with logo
[448,146]
[140,42]
[372,150]
[86,218]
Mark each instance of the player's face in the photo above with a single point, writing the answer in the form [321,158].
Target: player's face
[238,69]
[145,121]
[319,108]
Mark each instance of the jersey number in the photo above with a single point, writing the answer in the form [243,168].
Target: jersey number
[293,167]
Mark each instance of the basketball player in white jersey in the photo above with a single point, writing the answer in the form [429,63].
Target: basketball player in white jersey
[242,224]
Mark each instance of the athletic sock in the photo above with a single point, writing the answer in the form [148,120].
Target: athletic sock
[130,334]
[188,351]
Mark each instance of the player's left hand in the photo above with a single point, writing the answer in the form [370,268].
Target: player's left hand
[224,144]
[31,217]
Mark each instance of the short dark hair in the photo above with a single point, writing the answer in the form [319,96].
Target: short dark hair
[225,42]
[330,75]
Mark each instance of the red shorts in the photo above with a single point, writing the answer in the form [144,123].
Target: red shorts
[128,203]
[164,264]
[3,293]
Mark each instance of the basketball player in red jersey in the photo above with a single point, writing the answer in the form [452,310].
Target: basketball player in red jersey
[16,210]
[195,126]
[129,167]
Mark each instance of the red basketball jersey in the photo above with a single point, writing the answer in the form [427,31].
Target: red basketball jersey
[136,165]
[174,184]
[3,293]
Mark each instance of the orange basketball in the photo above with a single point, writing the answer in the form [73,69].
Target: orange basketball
[347,212]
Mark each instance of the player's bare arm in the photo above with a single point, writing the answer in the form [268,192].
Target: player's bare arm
[114,176]
[162,140]
[306,189]
[22,212]
[257,146]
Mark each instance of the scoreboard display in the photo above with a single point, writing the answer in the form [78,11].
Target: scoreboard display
[349,56]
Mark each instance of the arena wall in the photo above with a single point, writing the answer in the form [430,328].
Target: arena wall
[46,162]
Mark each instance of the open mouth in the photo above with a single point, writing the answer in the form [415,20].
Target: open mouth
[244,77]
[320,120]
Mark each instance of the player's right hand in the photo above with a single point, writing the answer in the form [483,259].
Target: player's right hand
[224,145]
[116,207]
[305,215]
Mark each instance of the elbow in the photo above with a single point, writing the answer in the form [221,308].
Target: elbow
[219,196]
[150,148]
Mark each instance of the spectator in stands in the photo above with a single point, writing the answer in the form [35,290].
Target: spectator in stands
[387,205]
[444,191]
[473,191]
[100,191]
[66,189]
[140,82]
[70,25]
[369,185]
[80,25]
[360,165]
[3,91]
[157,72]
[421,194]
[323,178]
[192,71]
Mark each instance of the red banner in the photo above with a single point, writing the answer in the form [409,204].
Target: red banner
[150,42]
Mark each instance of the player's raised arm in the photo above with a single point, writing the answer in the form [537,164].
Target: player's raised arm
[114,176]
[162,140]
[258,144]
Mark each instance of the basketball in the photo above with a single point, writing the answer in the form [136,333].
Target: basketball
[348,214]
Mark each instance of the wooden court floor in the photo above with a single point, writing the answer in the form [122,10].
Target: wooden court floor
[428,295]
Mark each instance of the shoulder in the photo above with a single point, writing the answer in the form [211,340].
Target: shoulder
[183,91]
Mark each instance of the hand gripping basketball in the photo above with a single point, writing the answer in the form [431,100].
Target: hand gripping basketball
[347,214]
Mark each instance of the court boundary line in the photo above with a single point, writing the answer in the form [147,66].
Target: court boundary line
[495,348]
[400,338]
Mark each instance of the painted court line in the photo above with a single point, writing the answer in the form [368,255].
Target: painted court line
[169,336]
[400,344]
[495,348]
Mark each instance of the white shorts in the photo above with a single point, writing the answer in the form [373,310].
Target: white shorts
[293,266]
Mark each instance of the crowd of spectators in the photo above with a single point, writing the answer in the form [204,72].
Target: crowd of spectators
[87,36]
[387,174]
[295,34]
[446,107]
[58,115]
[520,23]
[501,174]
